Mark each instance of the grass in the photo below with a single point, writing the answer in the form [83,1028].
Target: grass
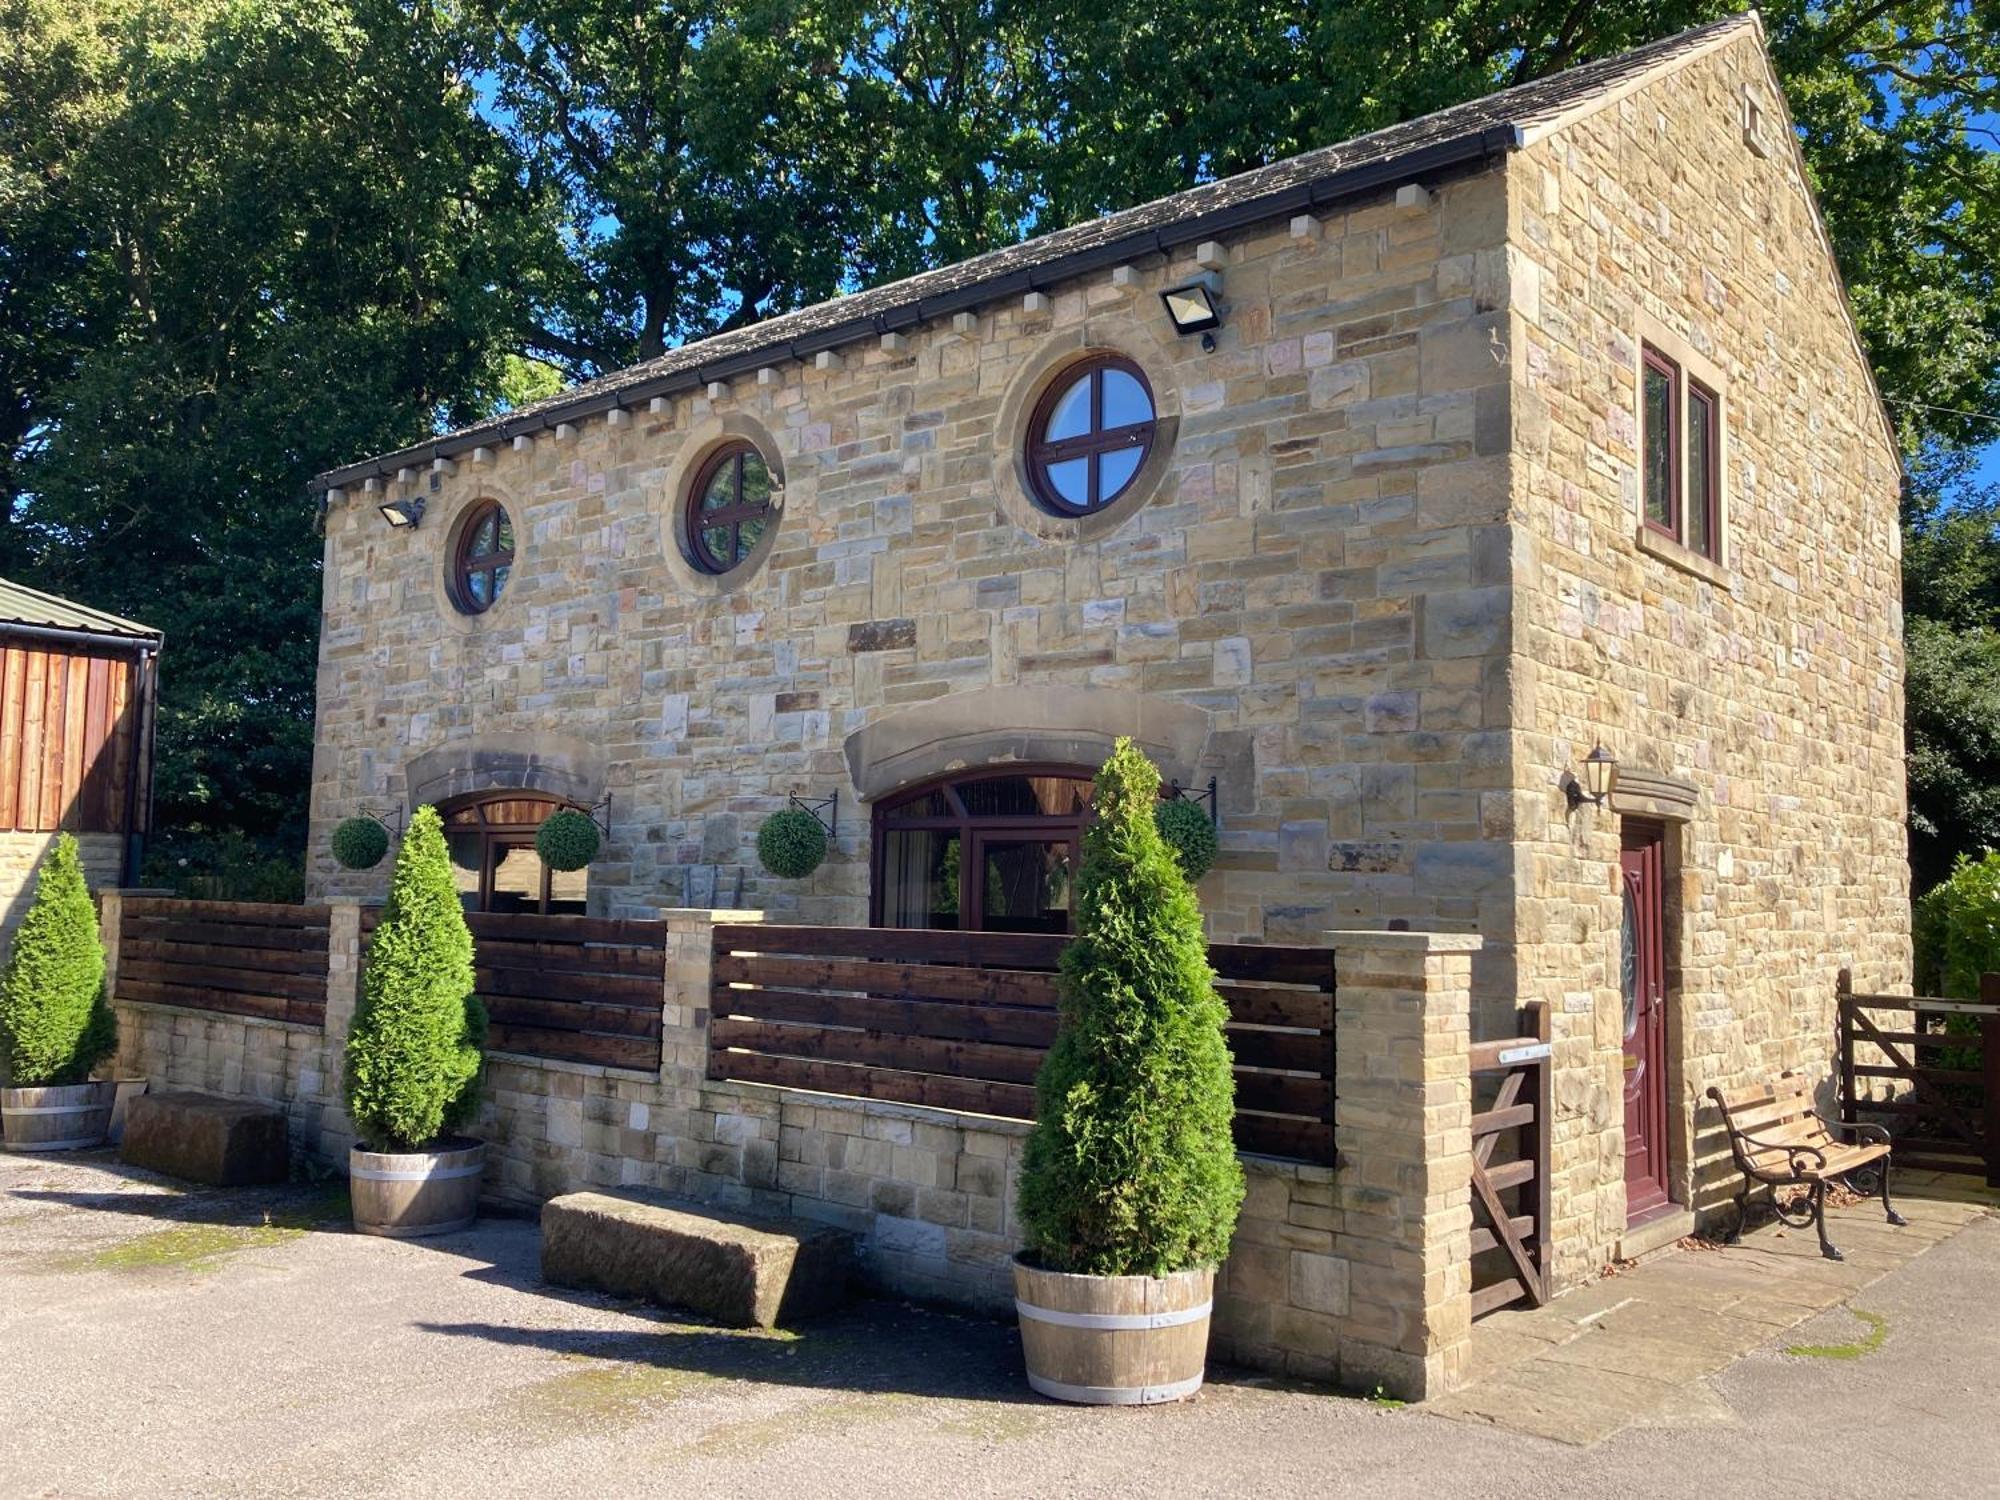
[1878,1330]
[204,1247]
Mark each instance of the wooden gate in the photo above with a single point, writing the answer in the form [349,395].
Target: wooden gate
[1512,1108]
[1931,1075]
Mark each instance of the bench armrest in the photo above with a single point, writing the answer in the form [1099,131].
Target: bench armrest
[1865,1132]
[1794,1152]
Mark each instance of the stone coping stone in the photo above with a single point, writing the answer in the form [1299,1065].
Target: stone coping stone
[206,1138]
[747,1273]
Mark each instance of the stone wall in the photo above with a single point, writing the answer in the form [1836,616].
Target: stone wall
[1769,688]
[21,861]
[1359,1274]
[1317,576]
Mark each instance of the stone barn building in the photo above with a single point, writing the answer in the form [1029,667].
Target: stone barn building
[1376,488]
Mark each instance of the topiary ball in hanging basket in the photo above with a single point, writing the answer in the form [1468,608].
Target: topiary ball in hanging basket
[1189,834]
[791,843]
[567,840]
[360,843]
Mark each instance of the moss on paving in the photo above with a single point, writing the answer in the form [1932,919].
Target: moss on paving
[205,1246]
[1878,1330]
[605,1390]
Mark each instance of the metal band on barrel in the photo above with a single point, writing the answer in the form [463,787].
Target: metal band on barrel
[1111,1320]
[370,1174]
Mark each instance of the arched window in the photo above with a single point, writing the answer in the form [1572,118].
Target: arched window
[988,851]
[729,508]
[1090,434]
[482,557]
[493,861]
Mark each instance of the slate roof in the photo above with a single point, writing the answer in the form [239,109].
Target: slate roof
[1463,136]
[21,605]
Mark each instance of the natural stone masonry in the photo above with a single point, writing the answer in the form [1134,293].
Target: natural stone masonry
[206,1138]
[743,1273]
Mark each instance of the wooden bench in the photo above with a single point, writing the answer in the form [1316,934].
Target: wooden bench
[1780,1140]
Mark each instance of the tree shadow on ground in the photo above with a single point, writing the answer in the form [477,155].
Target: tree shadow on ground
[306,1201]
[874,1347]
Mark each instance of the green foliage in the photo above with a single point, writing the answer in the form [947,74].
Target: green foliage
[791,844]
[1958,930]
[413,1049]
[1189,833]
[567,840]
[55,1023]
[225,865]
[359,843]
[1131,1169]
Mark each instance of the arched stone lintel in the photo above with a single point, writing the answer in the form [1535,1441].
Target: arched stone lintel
[1022,725]
[1654,794]
[558,764]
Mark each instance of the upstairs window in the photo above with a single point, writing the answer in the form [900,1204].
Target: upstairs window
[1680,422]
[1089,435]
[482,557]
[730,508]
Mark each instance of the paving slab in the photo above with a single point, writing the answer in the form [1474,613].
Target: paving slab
[1635,1347]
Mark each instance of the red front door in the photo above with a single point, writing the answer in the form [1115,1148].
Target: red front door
[1642,982]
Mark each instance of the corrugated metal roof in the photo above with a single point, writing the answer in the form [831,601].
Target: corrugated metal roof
[1480,129]
[21,605]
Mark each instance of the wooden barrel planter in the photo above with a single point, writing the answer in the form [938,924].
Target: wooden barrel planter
[1114,1340]
[407,1194]
[64,1117]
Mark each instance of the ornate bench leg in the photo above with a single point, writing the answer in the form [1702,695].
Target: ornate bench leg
[1894,1218]
[1819,1222]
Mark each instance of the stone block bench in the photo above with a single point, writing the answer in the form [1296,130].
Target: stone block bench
[206,1138]
[742,1272]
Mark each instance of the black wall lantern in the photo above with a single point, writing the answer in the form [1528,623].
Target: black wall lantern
[1600,775]
[1196,307]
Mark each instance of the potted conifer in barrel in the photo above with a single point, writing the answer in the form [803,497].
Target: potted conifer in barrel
[413,1053]
[1130,1187]
[55,1023]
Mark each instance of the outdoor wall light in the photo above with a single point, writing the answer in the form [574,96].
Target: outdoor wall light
[1600,775]
[404,514]
[1195,307]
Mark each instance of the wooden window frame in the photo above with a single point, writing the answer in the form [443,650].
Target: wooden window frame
[464,565]
[1683,385]
[734,515]
[1092,444]
[971,827]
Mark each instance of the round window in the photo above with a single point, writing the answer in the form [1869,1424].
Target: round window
[1090,435]
[482,559]
[729,509]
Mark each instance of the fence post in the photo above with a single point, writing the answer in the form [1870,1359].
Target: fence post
[1402,1016]
[343,989]
[1989,1059]
[684,1011]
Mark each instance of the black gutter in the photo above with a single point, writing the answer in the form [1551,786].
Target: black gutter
[57,635]
[1479,149]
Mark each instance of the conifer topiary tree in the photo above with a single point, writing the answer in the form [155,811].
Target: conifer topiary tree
[413,1049]
[1131,1170]
[55,1023]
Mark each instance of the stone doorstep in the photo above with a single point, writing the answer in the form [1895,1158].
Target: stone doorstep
[743,1272]
[206,1138]
[1657,1233]
[1636,1347]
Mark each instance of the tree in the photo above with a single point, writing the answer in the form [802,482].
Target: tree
[55,1023]
[1131,1169]
[413,1051]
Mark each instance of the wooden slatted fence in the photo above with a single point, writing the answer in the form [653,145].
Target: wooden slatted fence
[1930,1075]
[961,1020]
[574,989]
[239,958]
[1512,1111]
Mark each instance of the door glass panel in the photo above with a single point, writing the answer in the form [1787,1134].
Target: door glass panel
[920,878]
[567,891]
[1628,962]
[1026,885]
[465,854]
[517,879]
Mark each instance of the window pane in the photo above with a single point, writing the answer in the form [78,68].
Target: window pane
[500,580]
[932,804]
[756,480]
[517,879]
[465,853]
[1659,455]
[1070,416]
[747,536]
[567,892]
[1021,796]
[1700,471]
[1115,471]
[1071,480]
[1124,400]
[482,539]
[716,540]
[920,878]
[721,490]
[478,588]
[1027,886]
[506,538]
